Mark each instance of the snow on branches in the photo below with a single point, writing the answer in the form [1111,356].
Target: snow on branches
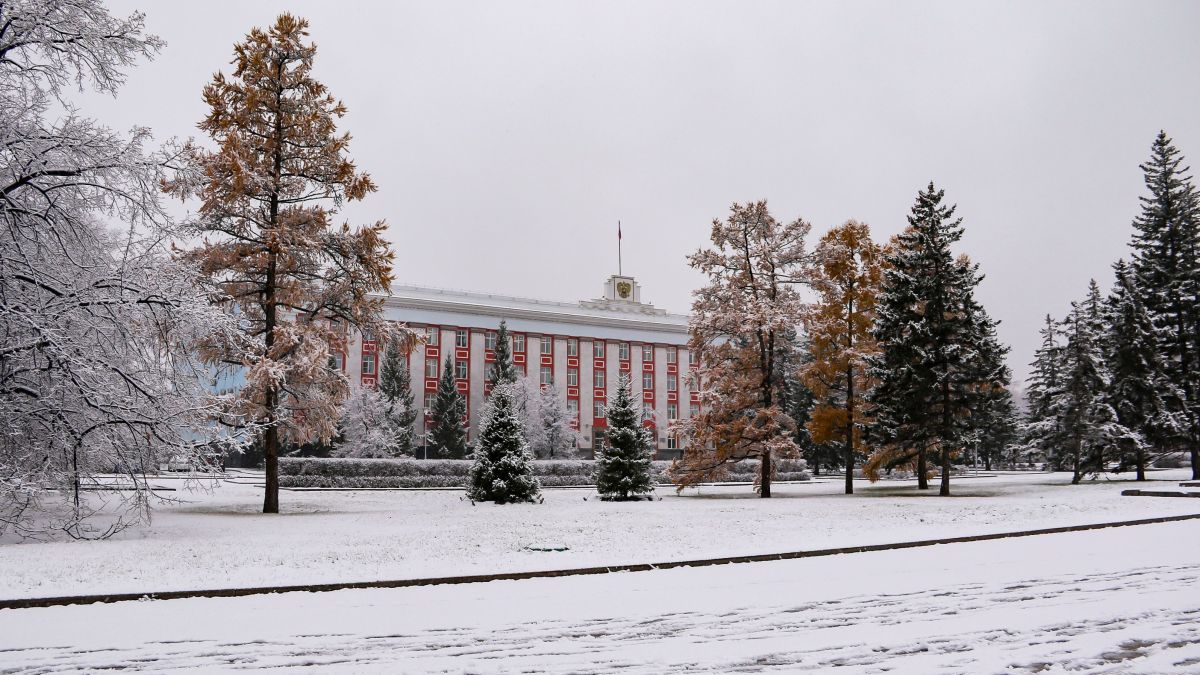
[739,320]
[268,196]
[97,368]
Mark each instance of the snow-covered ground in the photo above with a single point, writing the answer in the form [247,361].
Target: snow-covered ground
[218,539]
[1118,600]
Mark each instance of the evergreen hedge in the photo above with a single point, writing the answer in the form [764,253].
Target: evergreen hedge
[343,472]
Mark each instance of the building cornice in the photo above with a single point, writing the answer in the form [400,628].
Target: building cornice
[465,303]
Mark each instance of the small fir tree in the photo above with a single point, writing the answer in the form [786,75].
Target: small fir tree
[503,370]
[1087,432]
[623,467]
[449,436]
[395,386]
[1040,426]
[501,472]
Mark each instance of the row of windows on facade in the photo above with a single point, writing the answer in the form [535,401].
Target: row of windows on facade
[517,343]
[598,409]
[545,375]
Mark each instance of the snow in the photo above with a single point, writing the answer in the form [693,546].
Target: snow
[1114,600]
[218,539]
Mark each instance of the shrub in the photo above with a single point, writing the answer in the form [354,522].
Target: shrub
[323,472]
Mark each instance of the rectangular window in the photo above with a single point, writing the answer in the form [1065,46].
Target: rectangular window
[672,442]
[691,357]
[547,345]
[368,364]
[693,410]
[368,334]
[431,367]
[430,397]
[572,377]
[489,372]
[672,411]
[598,379]
[518,344]
[521,370]
[489,340]
[460,369]
[648,381]
[672,354]
[599,438]
[431,336]
[573,407]
[572,347]
[597,350]
[672,382]
[547,376]
[460,338]
[647,353]
[339,360]
[623,351]
[598,409]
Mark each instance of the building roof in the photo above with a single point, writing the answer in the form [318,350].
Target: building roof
[602,317]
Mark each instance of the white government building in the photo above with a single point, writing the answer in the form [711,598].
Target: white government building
[581,347]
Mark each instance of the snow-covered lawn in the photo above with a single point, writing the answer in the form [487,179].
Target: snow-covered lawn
[218,539]
[1119,600]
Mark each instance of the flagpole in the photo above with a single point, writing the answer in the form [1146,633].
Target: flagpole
[619,269]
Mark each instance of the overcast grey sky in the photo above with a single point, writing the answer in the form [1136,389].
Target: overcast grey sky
[507,139]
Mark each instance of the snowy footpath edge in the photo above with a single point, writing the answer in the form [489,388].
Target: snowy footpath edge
[27,603]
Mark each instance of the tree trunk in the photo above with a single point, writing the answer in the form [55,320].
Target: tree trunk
[1141,464]
[764,480]
[849,430]
[922,469]
[945,487]
[1195,461]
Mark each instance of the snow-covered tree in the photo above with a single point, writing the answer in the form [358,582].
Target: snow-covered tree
[623,465]
[268,195]
[448,417]
[368,428]
[1040,425]
[501,471]
[503,370]
[739,320]
[931,333]
[395,386]
[557,438]
[993,418]
[1140,391]
[98,323]
[847,272]
[1087,433]
[1166,265]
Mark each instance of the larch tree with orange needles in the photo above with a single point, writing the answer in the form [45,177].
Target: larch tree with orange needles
[847,272]
[296,280]
[738,327]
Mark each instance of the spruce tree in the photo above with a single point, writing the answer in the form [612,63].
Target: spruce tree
[503,370]
[501,472]
[1088,433]
[395,385]
[449,435]
[1166,244]
[1139,391]
[993,414]
[623,467]
[929,329]
[1040,425]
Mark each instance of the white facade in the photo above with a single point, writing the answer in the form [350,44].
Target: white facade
[614,334]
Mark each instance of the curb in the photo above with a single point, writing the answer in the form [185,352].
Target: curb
[28,603]
[1157,493]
